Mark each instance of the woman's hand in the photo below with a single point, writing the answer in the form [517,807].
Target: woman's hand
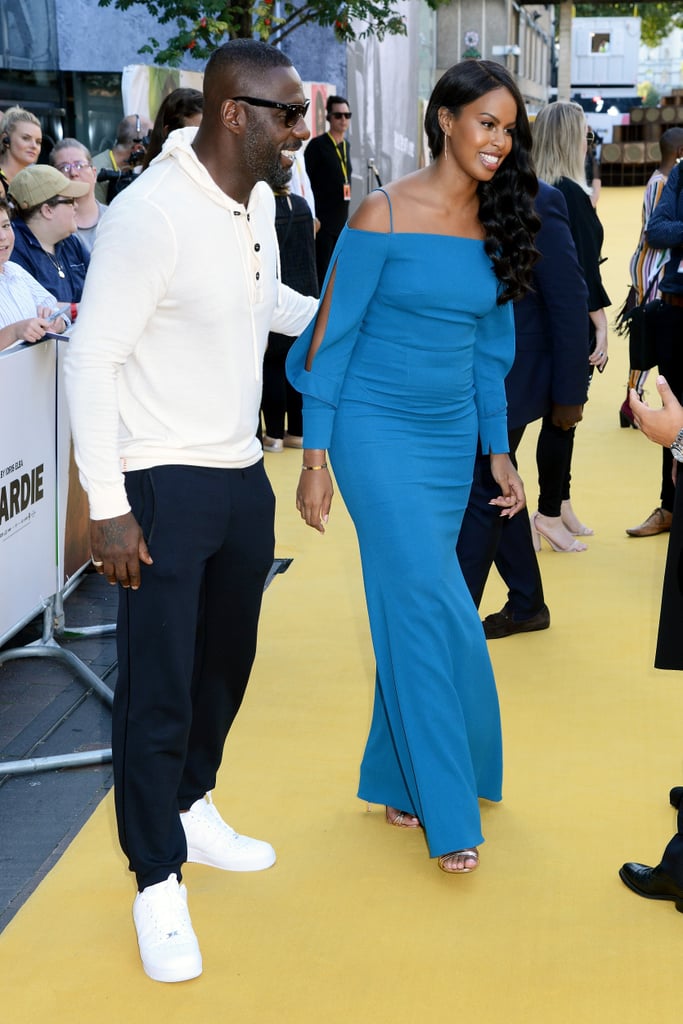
[598,356]
[659,425]
[315,490]
[512,499]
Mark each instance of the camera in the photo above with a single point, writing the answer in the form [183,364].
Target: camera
[137,153]
[117,181]
[139,145]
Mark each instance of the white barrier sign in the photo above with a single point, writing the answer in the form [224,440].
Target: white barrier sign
[28,498]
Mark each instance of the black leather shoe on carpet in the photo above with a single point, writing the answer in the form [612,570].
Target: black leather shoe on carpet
[502,623]
[651,883]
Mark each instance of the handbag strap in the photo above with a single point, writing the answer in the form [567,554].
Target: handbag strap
[654,283]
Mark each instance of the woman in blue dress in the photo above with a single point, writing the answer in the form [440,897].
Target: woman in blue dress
[401,373]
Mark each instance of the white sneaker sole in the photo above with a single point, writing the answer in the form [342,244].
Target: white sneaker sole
[183,971]
[265,859]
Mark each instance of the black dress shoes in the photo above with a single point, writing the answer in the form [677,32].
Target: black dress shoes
[503,624]
[652,883]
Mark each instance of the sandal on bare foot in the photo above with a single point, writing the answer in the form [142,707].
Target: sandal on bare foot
[555,532]
[572,522]
[401,819]
[461,862]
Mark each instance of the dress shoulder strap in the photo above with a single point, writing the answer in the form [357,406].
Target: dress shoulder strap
[391,212]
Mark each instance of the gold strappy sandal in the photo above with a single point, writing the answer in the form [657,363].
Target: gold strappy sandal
[467,855]
[401,819]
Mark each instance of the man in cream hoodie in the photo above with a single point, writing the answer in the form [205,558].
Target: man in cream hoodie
[164,387]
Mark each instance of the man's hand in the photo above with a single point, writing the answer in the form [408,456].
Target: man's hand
[566,416]
[659,425]
[117,548]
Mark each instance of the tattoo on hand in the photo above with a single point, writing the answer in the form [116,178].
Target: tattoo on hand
[114,534]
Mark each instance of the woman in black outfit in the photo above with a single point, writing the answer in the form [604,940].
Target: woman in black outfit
[559,150]
[281,404]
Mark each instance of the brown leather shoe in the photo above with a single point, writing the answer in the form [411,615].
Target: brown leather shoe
[500,624]
[659,521]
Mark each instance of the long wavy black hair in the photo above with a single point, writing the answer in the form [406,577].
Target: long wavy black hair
[506,208]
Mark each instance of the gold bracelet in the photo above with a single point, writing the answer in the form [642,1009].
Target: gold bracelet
[324,466]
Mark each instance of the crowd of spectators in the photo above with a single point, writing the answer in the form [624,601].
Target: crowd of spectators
[50,213]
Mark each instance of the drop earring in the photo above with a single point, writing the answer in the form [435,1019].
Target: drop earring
[445,146]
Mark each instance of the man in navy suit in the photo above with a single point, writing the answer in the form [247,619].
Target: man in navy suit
[549,375]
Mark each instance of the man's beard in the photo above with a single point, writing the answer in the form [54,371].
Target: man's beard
[265,162]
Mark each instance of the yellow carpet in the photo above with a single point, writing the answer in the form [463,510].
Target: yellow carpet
[355,924]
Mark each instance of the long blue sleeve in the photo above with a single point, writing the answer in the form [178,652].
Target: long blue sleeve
[358,258]
[359,263]
[494,351]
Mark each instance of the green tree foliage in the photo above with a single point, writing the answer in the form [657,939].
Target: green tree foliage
[658,20]
[204,24]
[648,94]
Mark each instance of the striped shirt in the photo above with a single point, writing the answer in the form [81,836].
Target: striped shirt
[647,264]
[20,295]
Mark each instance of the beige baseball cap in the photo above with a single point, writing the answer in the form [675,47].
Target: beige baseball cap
[38,183]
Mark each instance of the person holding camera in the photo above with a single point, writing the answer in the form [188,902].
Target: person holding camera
[117,166]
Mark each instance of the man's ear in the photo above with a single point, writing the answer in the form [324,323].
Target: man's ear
[231,115]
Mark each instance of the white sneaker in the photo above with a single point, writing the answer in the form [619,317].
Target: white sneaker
[272,444]
[211,841]
[168,945]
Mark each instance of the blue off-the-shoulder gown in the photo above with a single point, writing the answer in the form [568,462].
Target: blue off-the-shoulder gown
[409,373]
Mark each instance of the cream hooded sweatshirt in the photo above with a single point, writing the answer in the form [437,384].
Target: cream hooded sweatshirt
[164,364]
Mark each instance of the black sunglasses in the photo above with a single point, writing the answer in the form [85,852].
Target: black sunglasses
[341,113]
[293,111]
[61,202]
